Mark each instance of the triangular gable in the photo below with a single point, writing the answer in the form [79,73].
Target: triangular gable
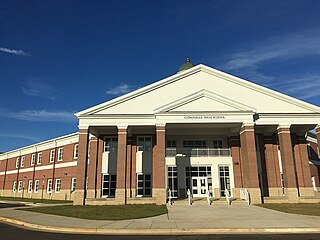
[204,101]
[196,78]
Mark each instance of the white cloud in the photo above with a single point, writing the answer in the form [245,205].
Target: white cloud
[12,135]
[303,87]
[120,89]
[13,51]
[296,45]
[40,116]
[37,89]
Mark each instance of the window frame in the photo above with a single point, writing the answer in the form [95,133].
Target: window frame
[14,186]
[75,151]
[39,159]
[73,184]
[22,161]
[36,186]
[60,154]
[33,159]
[49,185]
[57,187]
[30,183]
[52,155]
[17,162]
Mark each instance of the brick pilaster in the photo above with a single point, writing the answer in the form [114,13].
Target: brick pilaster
[302,165]
[288,168]
[129,167]
[234,144]
[92,167]
[318,138]
[249,162]
[99,166]
[121,166]
[159,166]
[272,166]
[79,197]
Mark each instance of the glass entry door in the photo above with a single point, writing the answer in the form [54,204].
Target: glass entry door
[199,186]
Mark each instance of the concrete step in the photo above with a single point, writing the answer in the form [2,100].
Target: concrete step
[203,201]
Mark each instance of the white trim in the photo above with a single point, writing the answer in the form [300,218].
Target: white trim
[70,138]
[39,168]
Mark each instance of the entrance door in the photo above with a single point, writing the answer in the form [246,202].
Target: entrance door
[199,186]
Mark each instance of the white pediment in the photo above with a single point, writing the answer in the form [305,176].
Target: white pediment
[184,91]
[204,101]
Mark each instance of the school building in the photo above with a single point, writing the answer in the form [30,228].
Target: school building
[200,130]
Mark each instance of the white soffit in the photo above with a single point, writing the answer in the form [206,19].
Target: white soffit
[223,89]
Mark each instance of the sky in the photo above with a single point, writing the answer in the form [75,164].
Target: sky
[60,57]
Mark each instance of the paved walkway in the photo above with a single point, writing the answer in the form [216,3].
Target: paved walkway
[179,220]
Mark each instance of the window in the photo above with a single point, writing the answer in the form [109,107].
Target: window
[111,144]
[39,158]
[217,143]
[33,159]
[60,154]
[143,185]
[73,184]
[17,162]
[14,186]
[195,144]
[30,186]
[58,185]
[171,144]
[49,186]
[224,179]
[109,185]
[36,186]
[19,186]
[22,161]
[173,181]
[144,144]
[52,155]
[75,151]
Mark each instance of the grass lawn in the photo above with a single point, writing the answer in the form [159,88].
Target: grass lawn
[297,208]
[33,200]
[103,212]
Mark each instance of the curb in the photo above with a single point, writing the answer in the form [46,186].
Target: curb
[173,231]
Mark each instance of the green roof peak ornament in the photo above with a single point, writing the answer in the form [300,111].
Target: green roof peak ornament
[186,65]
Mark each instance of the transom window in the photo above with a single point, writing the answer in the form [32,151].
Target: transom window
[144,144]
[195,144]
[172,143]
[217,143]
[111,144]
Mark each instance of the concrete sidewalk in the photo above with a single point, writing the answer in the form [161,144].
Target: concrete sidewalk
[179,220]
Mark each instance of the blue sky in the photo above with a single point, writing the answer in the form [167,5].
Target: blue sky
[60,57]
